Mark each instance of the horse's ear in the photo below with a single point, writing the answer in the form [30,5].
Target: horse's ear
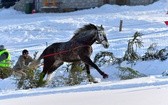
[101,27]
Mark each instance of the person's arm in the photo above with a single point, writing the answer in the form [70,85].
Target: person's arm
[31,59]
[21,62]
[3,56]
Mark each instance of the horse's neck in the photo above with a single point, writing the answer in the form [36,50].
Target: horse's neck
[85,38]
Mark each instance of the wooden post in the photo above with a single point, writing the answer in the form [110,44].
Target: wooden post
[46,44]
[121,22]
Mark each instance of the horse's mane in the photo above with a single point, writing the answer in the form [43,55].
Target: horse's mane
[84,29]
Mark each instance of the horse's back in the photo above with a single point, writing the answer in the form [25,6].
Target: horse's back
[52,48]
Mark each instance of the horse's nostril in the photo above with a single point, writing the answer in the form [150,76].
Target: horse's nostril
[107,45]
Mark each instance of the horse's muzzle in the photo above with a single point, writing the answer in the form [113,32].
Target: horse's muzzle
[106,45]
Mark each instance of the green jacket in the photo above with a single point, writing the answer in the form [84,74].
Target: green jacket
[6,62]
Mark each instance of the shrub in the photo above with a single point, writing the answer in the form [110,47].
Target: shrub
[73,74]
[153,53]
[106,58]
[165,73]
[30,81]
[5,73]
[130,53]
[128,73]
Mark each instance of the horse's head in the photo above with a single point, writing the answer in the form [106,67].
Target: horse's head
[101,37]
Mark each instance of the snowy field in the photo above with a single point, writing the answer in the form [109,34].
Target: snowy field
[34,32]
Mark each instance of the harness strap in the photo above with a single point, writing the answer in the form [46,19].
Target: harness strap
[64,51]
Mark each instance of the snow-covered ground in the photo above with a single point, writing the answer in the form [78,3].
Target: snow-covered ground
[34,32]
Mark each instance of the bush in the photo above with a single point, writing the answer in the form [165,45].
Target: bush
[5,73]
[128,73]
[106,58]
[165,73]
[30,81]
[153,53]
[73,74]
[130,53]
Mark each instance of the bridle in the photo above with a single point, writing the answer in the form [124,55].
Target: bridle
[100,35]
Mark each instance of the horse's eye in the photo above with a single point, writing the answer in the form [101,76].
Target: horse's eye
[102,33]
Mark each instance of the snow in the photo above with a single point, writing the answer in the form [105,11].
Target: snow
[34,32]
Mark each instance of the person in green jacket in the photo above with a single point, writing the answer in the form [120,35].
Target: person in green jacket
[5,57]
[5,63]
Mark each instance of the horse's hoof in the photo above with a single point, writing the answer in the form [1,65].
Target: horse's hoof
[95,81]
[105,76]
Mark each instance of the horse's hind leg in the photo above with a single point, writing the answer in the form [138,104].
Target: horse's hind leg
[56,65]
[42,75]
[48,69]
[47,64]
[88,61]
[90,77]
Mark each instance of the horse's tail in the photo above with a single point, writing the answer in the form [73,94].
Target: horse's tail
[35,63]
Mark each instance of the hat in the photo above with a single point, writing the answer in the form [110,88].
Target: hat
[2,47]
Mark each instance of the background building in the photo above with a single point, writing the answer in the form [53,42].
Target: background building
[72,5]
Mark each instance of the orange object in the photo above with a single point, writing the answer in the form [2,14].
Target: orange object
[50,2]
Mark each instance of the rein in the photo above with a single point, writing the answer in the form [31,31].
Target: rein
[64,51]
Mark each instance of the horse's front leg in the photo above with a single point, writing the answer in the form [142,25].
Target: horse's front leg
[88,61]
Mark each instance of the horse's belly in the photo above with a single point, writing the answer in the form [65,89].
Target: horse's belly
[71,58]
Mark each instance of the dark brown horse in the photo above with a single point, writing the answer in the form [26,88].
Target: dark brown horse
[78,48]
